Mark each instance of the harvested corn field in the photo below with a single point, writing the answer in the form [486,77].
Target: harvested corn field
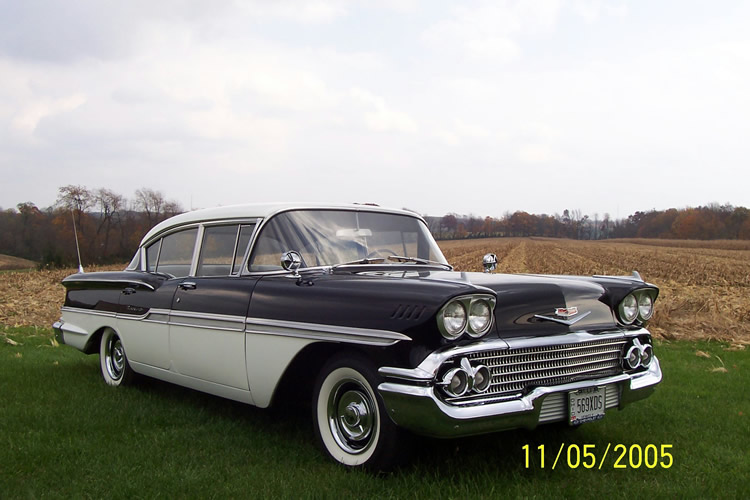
[705,290]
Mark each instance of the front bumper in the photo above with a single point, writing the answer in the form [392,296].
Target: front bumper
[412,403]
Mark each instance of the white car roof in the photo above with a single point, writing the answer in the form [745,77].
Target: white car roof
[257,211]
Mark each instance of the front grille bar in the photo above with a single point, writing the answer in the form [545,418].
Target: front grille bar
[518,371]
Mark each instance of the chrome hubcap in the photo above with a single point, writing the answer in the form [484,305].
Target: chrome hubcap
[115,358]
[352,416]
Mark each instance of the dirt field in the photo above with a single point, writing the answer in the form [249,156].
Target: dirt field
[7,262]
[704,288]
[704,285]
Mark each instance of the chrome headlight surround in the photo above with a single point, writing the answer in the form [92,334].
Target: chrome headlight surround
[645,305]
[460,380]
[478,316]
[638,306]
[627,310]
[638,355]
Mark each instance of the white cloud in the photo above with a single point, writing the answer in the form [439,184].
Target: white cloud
[184,97]
[28,117]
[379,117]
[490,29]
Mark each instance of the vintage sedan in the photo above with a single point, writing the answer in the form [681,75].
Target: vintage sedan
[356,308]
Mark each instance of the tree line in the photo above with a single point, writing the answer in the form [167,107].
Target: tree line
[110,226]
[709,222]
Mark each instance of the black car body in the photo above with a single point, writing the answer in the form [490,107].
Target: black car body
[357,305]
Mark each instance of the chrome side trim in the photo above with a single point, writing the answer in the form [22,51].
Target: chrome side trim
[151,316]
[69,279]
[328,333]
[568,322]
[93,312]
[207,321]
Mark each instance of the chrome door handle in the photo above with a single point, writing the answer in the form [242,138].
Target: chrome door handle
[188,285]
[128,291]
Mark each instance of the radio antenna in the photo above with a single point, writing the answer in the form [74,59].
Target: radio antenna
[78,249]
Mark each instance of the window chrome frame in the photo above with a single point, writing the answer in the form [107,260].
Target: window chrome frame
[254,221]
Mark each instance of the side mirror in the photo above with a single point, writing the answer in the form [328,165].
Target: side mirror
[489,262]
[291,261]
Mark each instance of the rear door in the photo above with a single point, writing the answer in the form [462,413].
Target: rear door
[143,316]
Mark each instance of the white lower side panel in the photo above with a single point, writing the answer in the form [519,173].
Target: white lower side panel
[78,327]
[223,391]
[267,358]
[214,355]
[145,341]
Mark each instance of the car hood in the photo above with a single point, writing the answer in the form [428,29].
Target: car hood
[539,304]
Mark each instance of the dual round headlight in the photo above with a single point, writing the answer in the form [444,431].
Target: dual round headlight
[471,314]
[636,305]
[466,377]
[639,355]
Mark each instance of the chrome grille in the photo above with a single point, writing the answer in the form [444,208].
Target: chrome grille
[518,371]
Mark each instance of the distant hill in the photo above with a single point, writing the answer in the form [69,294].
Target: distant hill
[7,263]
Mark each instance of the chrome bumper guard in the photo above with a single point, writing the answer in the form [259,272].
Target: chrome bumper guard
[57,327]
[411,401]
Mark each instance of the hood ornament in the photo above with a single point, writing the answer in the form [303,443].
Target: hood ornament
[489,262]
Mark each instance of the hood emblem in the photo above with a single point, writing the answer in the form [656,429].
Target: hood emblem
[566,312]
[563,316]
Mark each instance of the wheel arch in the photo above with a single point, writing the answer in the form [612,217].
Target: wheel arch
[92,344]
[298,380]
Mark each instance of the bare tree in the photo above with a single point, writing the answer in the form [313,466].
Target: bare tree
[110,204]
[151,202]
[78,199]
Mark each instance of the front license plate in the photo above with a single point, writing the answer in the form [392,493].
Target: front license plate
[586,405]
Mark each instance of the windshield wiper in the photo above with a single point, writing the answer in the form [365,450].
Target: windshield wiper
[396,258]
[376,260]
[416,260]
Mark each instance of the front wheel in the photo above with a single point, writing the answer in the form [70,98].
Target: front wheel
[114,363]
[350,420]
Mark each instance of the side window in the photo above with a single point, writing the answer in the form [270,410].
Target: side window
[152,254]
[242,243]
[176,253]
[217,251]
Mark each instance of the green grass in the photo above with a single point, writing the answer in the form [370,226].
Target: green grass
[64,433]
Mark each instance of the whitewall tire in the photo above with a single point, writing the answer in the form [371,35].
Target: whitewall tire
[113,361]
[349,417]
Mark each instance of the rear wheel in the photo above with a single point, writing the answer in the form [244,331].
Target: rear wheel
[114,363]
[351,424]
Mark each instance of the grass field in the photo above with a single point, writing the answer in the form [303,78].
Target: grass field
[64,433]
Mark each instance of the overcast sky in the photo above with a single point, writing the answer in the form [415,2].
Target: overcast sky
[479,107]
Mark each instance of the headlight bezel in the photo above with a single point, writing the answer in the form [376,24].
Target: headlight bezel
[642,296]
[642,305]
[630,301]
[468,302]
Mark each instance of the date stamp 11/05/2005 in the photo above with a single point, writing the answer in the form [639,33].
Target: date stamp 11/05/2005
[621,456]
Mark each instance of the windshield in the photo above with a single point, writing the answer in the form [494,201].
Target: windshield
[330,237]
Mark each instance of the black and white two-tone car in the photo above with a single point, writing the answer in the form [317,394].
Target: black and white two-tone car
[356,308]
